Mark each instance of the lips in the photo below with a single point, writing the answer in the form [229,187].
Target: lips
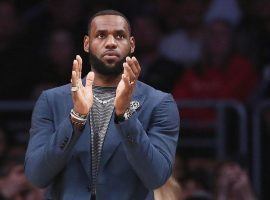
[111,54]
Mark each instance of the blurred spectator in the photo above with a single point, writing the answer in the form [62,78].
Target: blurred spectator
[66,13]
[162,74]
[196,176]
[166,14]
[178,170]
[16,151]
[56,67]
[183,46]
[13,183]
[253,34]
[254,41]
[257,31]
[61,50]
[221,74]
[8,24]
[233,183]
[156,70]
[147,34]
[228,10]
[16,80]
[171,190]
[197,183]
[260,24]
[56,14]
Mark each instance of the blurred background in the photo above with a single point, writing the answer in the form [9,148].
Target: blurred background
[212,55]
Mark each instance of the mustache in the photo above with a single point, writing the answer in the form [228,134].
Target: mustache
[110,53]
[99,66]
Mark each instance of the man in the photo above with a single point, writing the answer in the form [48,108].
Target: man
[108,136]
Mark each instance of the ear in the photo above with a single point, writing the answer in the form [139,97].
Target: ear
[86,43]
[132,44]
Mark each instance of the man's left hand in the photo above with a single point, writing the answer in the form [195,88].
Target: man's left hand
[126,85]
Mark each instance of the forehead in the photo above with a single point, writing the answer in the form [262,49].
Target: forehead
[109,23]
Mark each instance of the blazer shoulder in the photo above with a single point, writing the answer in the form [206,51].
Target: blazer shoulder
[151,93]
[64,89]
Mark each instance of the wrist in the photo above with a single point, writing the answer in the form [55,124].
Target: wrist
[119,116]
[120,112]
[78,120]
[81,112]
[125,114]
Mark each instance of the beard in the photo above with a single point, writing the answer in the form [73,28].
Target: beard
[102,68]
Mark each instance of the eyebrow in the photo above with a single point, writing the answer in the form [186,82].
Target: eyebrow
[119,31]
[122,32]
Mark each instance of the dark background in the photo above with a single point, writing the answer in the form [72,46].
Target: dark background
[212,55]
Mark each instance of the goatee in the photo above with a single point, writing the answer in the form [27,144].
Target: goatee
[101,68]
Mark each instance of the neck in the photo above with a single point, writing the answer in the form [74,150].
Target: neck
[106,80]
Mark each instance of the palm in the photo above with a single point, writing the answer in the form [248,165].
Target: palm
[83,96]
[120,88]
[123,95]
[126,85]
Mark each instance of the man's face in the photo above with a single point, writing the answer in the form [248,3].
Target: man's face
[108,44]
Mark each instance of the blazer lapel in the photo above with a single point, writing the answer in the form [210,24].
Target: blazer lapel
[83,145]
[113,138]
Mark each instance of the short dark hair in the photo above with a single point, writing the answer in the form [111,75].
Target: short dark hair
[108,12]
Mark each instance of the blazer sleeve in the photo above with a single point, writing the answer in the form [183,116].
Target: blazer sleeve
[151,152]
[49,148]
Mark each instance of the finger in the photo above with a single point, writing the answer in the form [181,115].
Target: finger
[129,73]
[73,79]
[76,68]
[79,59]
[126,80]
[125,77]
[136,63]
[127,83]
[89,85]
[74,65]
[74,82]
[90,79]
[80,84]
[133,66]
[125,71]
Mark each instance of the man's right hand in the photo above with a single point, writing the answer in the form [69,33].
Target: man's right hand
[83,96]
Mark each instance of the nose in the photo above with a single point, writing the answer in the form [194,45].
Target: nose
[110,42]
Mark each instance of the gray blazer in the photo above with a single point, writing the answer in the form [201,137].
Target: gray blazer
[137,155]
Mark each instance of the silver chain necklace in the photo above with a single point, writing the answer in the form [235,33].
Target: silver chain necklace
[103,101]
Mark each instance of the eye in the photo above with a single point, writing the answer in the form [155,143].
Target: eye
[101,36]
[120,36]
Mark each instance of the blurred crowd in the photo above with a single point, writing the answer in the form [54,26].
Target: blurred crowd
[194,49]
